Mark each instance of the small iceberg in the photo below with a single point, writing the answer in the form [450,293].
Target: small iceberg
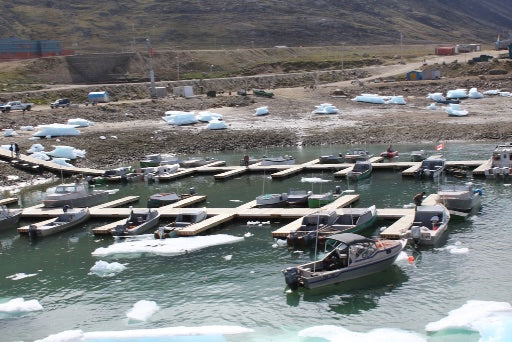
[35,148]
[454,109]
[177,118]
[9,132]
[492,92]
[399,100]
[216,124]
[475,94]
[27,128]
[438,97]
[142,310]
[456,94]
[432,106]
[66,152]
[56,130]
[336,333]
[326,108]
[261,111]
[80,122]
[40,155]
[369,98]
[62,162]
[20,305]
[206,116]
[104,269]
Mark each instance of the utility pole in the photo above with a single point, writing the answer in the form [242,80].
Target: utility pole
[342,43]
[151,72]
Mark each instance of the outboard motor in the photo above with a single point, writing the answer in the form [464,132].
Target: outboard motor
[119,231]
[90,180]
[32,231]
[192,191]
[337,190]
[416,232]
[291,277]
[124,178]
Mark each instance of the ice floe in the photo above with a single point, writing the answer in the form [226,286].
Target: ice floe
[19,276]
[105,269]
[313,180]
[378,99]
[35,148]
[475,94]
[20,305]
[27,128]
[228,257]
[326,108]
[457,248]
[40,155]
[142,310]
[68,152]
[335,333]
[492,92]
[9,132]
[55,130]
[438,97]
[207,116]
[432,106]
[168,247]
[261,111]
[178,118]
[454,109]
[457,94]
[216,124]
[80,122]
[62,162]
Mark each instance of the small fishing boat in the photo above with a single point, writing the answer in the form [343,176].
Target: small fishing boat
[361,170]
[157,159]
[9,217]
[357,154]
[348,256]
[331,159]
[500,163]
[430,222]
[460,197]
[417,156]
[185,219]
[137,223]
[68,219]
[163,198]
[317,227]
[271,200]
[319,200]
[297,197]
[74,195]
[281,160]
[196,162]
[431,168]
[109,176]
[162,171]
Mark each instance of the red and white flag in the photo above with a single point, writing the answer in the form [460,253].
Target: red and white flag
[439,147]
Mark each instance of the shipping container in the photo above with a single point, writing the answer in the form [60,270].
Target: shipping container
[98,96]
[445,50]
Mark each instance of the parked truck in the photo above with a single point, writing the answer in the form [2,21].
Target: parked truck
[16,105]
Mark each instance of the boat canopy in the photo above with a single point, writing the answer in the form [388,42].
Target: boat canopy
[349,238]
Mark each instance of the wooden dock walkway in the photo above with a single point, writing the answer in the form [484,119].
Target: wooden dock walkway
[294,169]
[9,200]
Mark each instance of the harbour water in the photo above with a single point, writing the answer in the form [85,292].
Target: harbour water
[240,284]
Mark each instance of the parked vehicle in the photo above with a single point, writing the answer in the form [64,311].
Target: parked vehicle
[60,103]
[16,105]
[261,92]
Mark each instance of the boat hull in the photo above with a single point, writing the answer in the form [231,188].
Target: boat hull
[86,201]
[11,220]
[54,227]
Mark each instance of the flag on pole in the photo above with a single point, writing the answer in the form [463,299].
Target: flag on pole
[439,147]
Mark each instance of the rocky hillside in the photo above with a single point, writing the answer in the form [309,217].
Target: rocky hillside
[122,26]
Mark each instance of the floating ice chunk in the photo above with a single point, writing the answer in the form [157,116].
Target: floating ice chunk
[142,310]
[54,130]
[438,97]
[19,276]
[281,242]
[65,336]
[104,269]
[206,116]
[228,257]
[335,333]
[216,124]
[66,152]
[454,109]
[9,132]
[62,161]
[35,148]
[432,106]
[18,305]
[326,108]
[248,234]
[27,128]
[179,118]
[399,99]
[492,319]
[369,98]
[313,180]
[169,247]
[113,136]
[80,122]
[492,92]
[456,94]
[402,257]
[261,111]
[457,249]
[475,94]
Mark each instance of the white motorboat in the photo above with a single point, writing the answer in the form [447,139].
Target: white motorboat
[431,168]
[74,195]
[430,222]
[417,156]
[137,223]
[184,219]
[501,162]
[460,197]
[271,200]
[298,197]
[349,256]
[357,154]
[68,219]
[281,160]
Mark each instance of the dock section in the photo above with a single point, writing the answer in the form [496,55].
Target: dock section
[9,200]
[294,169]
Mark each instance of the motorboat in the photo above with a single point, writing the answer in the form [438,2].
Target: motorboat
[196,162]
[137,223]
[348,256]
[319,200]
[361,170]
[162,198]
[318,227]
[271,200]
[9,217]
[332,159]
[281,160]
[357,154]
[297,197]
[500,162]
[161,171]
[109,176]
[184,219]
[460,197]
[419,155]
[68,219]
[389,154]
[431,168]
[74,195]
[159,159]
[430,222]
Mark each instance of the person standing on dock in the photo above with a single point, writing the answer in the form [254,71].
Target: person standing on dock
[418,198]
[16,150]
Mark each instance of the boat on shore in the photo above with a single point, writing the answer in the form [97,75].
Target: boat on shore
[317,227]
[430,168]
[74,195]
[281,160]
[361,170]
[68,219]
[358,154]
[137,223]
[186,218]
[9,217]
[458,197]
[349,256]
[430,222]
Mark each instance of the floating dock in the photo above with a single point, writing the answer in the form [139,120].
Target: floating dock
[9,200]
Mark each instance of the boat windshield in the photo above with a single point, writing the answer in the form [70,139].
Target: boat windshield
[361,250]
[66,189]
